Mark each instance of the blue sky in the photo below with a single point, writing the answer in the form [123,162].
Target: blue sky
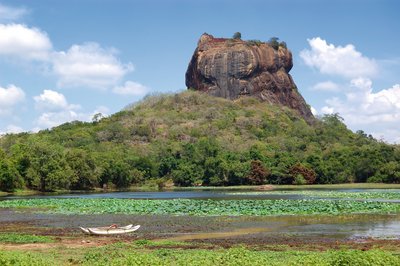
[67,60]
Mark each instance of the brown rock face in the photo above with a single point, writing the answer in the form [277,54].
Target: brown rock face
[230,68]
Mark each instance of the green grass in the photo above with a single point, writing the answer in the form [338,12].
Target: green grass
[22,258]
[20,192]
[242,256]
[25,192]
[370,195]
[203,207]
[123,254]
[227,188]
[17,238]
[161,243]
[300,187]
[340,186]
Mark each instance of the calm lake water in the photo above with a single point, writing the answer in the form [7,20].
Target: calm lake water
[196,194]
[356,226]
[164,195]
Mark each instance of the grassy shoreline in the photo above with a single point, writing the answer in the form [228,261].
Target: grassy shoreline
[341,186]
[131,254]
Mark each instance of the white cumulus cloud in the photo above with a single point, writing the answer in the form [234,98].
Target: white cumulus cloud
[20,41]
[131,88]
[53,101]
[362,108]
[8,13]
[337,60]
[327,110]
[314,111]
[56,110]
[9,97]
[377,112]
[89,65]
[361,101]
[52,119]
[12,129]
[326,86]
[391,134]
[104,110]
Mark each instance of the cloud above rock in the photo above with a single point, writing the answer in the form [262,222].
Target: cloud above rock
[362,106]
[89,65]
[131,88]
[343,61]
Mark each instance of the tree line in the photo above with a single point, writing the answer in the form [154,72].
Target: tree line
[113,153]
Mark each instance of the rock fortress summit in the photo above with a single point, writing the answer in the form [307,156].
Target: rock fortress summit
[230,68]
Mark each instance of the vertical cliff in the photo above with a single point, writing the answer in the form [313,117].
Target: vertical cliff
[230,68]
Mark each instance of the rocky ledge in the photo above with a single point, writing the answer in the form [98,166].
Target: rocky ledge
[231,68]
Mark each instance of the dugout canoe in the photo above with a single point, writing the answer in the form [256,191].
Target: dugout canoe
[110,230]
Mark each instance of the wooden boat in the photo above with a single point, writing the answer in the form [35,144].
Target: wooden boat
[111,230]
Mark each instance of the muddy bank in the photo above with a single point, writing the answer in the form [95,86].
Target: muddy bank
[222,231]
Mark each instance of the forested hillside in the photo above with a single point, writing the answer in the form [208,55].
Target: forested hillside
[195,139]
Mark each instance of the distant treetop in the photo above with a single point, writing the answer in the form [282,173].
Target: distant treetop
[237,36]
[274,42]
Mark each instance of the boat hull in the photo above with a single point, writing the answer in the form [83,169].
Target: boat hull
[109,230]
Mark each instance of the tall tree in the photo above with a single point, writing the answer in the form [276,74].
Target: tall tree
[48,169]
[10,179]
[84,170]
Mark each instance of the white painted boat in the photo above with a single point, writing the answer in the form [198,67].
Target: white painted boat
[110,230]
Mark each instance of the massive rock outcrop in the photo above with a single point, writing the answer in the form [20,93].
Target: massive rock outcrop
[230,68]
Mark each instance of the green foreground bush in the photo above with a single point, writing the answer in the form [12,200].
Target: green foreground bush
[21,258]
[17,238]
[114,255]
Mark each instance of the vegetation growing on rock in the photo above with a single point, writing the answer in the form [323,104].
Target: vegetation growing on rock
[195,139]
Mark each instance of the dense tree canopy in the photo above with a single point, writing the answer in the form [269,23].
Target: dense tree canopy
[195,139]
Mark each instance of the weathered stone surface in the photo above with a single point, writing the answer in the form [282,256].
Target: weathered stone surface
[230,68]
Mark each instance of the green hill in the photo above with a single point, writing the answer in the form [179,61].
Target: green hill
[195,139]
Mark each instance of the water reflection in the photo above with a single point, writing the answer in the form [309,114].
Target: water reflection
[222,194]
[384,230]
[355,227]
[164,195]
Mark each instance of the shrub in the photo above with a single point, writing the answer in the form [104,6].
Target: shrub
[254,42]
[283,44]
[300,172]
[299,180]
[258,173]
[274,42]
[237,36]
